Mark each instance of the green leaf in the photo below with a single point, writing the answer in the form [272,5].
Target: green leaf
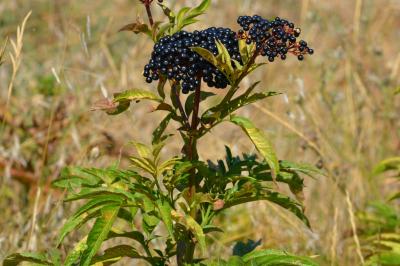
[260,141]
[135,235]
[197,231]
[211,228]
[159,131]
[186,16]
[206,54]
[136,95]
[98,202]
[303,168]
[165,209]
[76,253]
[243,51]
[55,257]
[203,6]
[99,233]
[74,223]
[143,164]
[17,258]
[114,254]
[226,58]
[276,257]
[180,17]
[386,165]
[161,85]
[190,100]
[142,149]
[165,28]
[75,177]
[168,12]
[386,258]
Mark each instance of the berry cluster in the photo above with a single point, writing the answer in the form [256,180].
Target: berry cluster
[273,38]
[172,57]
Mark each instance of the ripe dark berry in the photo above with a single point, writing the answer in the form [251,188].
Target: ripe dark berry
[274,38]
[173,58]
[178,62]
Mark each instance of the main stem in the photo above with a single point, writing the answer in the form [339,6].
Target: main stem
[186,246]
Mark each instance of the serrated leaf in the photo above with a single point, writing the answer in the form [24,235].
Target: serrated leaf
[136,95]
[260,141]
[99,233]
[17,258]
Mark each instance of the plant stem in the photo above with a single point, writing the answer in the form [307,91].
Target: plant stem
[186,246]
[148,10]
[185,119]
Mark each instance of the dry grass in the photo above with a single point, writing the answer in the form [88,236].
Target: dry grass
[339,110]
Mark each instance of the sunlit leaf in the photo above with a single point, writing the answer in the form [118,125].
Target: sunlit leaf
[76,253]
[99,233]
[165,209]
[206,54]
[142,149]
[136,95]
[197,231]
[260,141]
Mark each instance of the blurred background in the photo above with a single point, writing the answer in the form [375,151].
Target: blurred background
[339,112]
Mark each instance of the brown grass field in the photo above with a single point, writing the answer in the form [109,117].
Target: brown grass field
[338,111]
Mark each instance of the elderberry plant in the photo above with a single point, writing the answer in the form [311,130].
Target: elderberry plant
[182,196]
